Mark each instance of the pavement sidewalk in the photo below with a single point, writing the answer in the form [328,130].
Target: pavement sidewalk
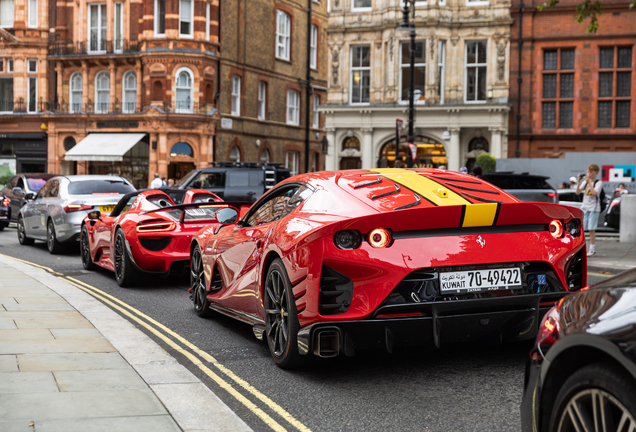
[612,254]
[69,363]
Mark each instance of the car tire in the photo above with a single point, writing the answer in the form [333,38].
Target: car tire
[197,284]
[22,238]
[54,246]
[281,318]
[578,400]
[85,250]
[126,272]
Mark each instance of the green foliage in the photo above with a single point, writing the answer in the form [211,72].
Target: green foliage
[586,9]
[4,180]
[487,163]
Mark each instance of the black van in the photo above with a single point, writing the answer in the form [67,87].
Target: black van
[235,181]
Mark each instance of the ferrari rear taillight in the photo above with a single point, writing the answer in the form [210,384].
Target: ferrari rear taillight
[347,239]
[77,207]
[550,329]
[573,227]
[380,238]
[156,227]
[556,228]
[6,201]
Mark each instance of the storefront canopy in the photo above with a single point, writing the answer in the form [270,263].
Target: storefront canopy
[110,147]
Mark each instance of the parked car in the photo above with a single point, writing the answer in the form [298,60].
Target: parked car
[21,188]
[55,215]
[146,232]
[526,187]
[581,373]
[613,214]
[5,211]
[570,198]
[238,182]
[331,262]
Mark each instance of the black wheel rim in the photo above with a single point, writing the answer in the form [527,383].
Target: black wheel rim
[50,236]
[276,313]
[85,248]
[119,257]
[21,231]
[595,410]
[197,281]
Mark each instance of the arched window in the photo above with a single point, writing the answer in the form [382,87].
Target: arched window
[351,143]
[129,91]
[102,92]
[181,148]
[235,154]
[265,156]
[184,85]
[76,91]
[69,143]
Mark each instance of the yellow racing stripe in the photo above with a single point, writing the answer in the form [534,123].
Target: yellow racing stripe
[479,215]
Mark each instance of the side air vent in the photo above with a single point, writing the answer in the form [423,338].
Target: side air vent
[155,244]
[574,272]
[336,291]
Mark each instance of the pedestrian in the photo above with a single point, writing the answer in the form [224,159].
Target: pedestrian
[170,182]
[573,182]
[156,183]
[463,170]
[477,171]
[620,190]
[591,207]
[163,182]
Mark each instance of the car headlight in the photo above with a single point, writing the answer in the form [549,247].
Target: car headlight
[347,239]
[574,227]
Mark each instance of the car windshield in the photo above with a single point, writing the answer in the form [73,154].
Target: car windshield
[187,178]
[98,187]
[35,184]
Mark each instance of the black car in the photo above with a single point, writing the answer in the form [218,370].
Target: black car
[21,188]
[581,374]
[5,211]
[235,181]
[526,187]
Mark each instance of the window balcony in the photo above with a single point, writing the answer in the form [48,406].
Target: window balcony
[94,47]
[123,108]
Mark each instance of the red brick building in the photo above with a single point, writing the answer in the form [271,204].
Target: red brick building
[577,90]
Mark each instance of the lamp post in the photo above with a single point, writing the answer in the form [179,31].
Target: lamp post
[406,25]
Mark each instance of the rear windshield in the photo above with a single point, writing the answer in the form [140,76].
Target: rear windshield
[97,187]
[35,184]
[517,182]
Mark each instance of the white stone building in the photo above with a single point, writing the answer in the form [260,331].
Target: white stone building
[461,81]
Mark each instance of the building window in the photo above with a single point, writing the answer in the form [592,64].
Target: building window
[76,91]
[6,94]
[33,13]
[6,13]
[160,17]
[316,122]
[283,35]
[262,100]
[615,87]
[476,2]
[236,95]
[10,65]
[441,67]
[291,162]
[102,92]
[314,47]
[185,18]
[361,4]
[32,66]
[405,71]
[119,25]
[207,21]
[184,87]
[235,154]
[265,156]
[476,71]
[130,92]
[360,73]
[97,27]
[558,89]
[293,107]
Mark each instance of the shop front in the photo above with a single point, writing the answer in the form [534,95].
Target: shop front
[28,149]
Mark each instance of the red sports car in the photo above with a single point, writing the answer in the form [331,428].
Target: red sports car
[146,232]
[331,262]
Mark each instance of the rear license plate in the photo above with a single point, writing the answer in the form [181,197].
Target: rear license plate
[479,280]
[106,209]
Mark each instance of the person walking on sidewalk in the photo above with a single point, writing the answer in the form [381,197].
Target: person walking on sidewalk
[591,202]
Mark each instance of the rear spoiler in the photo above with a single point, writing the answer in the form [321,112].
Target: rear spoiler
[184,207]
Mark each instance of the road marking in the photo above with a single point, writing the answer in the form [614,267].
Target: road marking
[600,275]
[103,296]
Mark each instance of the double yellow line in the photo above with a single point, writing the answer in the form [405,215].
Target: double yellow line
[190,351]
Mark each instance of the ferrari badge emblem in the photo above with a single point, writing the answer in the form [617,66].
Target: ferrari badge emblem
[481,241]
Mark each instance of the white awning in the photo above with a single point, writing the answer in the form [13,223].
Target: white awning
[103,147]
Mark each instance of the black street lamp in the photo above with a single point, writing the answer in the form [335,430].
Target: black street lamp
[406,25]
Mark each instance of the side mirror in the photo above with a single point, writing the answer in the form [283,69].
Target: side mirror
[29,196]
[227,215]
[18,190]
[95,215]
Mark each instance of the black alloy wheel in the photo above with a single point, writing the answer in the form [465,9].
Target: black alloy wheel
[22,237]
[281,321]
[85,250]
[596,398]
[126,273]
[52,244]
[197,284]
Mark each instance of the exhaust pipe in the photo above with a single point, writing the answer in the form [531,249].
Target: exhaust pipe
[327,343]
